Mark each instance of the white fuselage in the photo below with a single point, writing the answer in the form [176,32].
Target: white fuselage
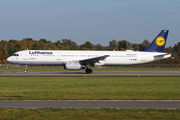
[60,57]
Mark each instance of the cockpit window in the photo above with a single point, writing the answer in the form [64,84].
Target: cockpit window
[15,55]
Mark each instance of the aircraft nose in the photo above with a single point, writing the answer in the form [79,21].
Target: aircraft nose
[9,59]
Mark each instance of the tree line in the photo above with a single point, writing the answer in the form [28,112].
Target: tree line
[7,48]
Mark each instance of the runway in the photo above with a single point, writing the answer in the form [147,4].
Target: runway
[94,74]
[91,104]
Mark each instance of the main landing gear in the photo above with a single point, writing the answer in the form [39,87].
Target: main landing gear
[25,71]
[89,71]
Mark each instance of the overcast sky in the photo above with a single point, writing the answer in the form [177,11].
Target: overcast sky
[98,21]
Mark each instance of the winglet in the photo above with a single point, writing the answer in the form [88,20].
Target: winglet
[159,42]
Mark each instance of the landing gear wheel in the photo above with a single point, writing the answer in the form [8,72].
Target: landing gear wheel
[25,71]
[89,71]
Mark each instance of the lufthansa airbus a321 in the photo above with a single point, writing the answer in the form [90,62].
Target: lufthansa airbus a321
[76,60]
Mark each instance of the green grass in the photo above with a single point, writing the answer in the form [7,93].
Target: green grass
[86,114]
[89,88]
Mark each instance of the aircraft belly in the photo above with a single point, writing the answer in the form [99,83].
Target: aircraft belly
[39,62]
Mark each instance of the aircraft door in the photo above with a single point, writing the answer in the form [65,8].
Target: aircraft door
[58,56]
[25,55]
[143,57]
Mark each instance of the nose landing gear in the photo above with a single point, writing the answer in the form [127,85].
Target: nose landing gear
[25,71]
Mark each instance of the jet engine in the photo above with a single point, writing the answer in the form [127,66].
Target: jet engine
[73,66]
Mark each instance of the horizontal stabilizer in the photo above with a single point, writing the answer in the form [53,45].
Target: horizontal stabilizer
[162,55]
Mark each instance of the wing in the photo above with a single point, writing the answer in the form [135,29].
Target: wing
[91,61]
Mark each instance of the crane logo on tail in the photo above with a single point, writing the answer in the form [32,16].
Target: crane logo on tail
[160,41]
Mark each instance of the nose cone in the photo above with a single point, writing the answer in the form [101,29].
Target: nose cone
[9,59]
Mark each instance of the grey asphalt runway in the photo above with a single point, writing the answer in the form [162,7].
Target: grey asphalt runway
[94,74]
[91,104]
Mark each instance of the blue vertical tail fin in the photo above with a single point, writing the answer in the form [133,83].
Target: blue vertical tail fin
[158,43]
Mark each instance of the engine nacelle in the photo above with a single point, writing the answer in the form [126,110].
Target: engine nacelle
[73,66]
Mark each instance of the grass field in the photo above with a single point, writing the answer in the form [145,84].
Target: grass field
[86,114]
[89,88]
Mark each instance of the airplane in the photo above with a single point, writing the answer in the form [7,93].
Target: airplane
[85,59]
